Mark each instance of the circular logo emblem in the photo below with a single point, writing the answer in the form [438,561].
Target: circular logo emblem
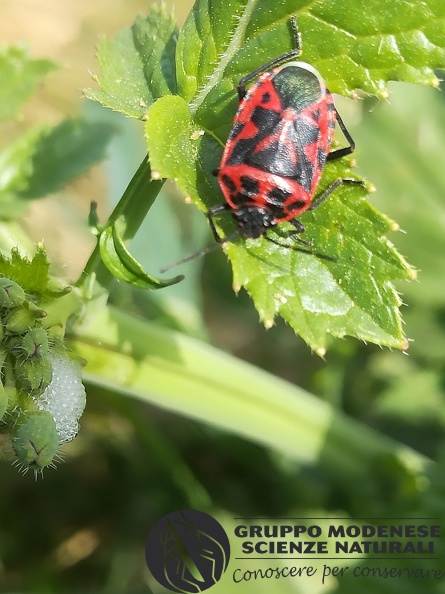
[187,551]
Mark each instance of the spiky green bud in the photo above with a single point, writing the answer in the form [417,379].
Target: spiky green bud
[33,376]
[33,345]
[11,294]
[19,320]
[34,439]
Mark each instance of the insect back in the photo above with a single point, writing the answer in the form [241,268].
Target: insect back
[277,148]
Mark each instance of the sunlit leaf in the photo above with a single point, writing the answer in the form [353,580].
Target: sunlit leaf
[345,286]
[138,65]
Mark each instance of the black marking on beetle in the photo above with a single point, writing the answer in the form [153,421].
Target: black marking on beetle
[237,128]
[277,196]
[238,199]
[265,120]
[321,158]
[227,181]
[288,159]
[296,204]
[250,186]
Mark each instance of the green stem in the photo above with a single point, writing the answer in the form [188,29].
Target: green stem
[190,378]
[136,201]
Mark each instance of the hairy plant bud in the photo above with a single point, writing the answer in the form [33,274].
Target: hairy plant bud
[19,320]
[33,376]
[33,345]
[11,294]
[34,439]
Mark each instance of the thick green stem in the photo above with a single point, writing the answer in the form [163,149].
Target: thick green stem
[181,374]
[136,201]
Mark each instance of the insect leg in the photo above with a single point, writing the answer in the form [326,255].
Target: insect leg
[347,150]
[215,210]
[211,213]
[287,56]
[299,227]
[295,234]
[338,182]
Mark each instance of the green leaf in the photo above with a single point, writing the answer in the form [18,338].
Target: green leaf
[352,47]
[20,78]
[63,153]
[345,287]
[350,295]
[122,265]
[401,40]
[32,275]
[138,65]
[179,149]
[45,159]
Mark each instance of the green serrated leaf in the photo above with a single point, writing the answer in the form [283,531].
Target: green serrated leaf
[401,40]
[138,65]
[122,265]
[350,291]
[20,76]
[352,46]
[32,275]
[350,295]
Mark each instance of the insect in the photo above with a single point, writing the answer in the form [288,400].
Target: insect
[277,148]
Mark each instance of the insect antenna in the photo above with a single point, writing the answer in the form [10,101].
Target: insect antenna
[203,252]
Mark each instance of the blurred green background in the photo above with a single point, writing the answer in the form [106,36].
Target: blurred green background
[83,528]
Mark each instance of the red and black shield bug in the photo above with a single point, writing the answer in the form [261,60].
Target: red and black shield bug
[277,148]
